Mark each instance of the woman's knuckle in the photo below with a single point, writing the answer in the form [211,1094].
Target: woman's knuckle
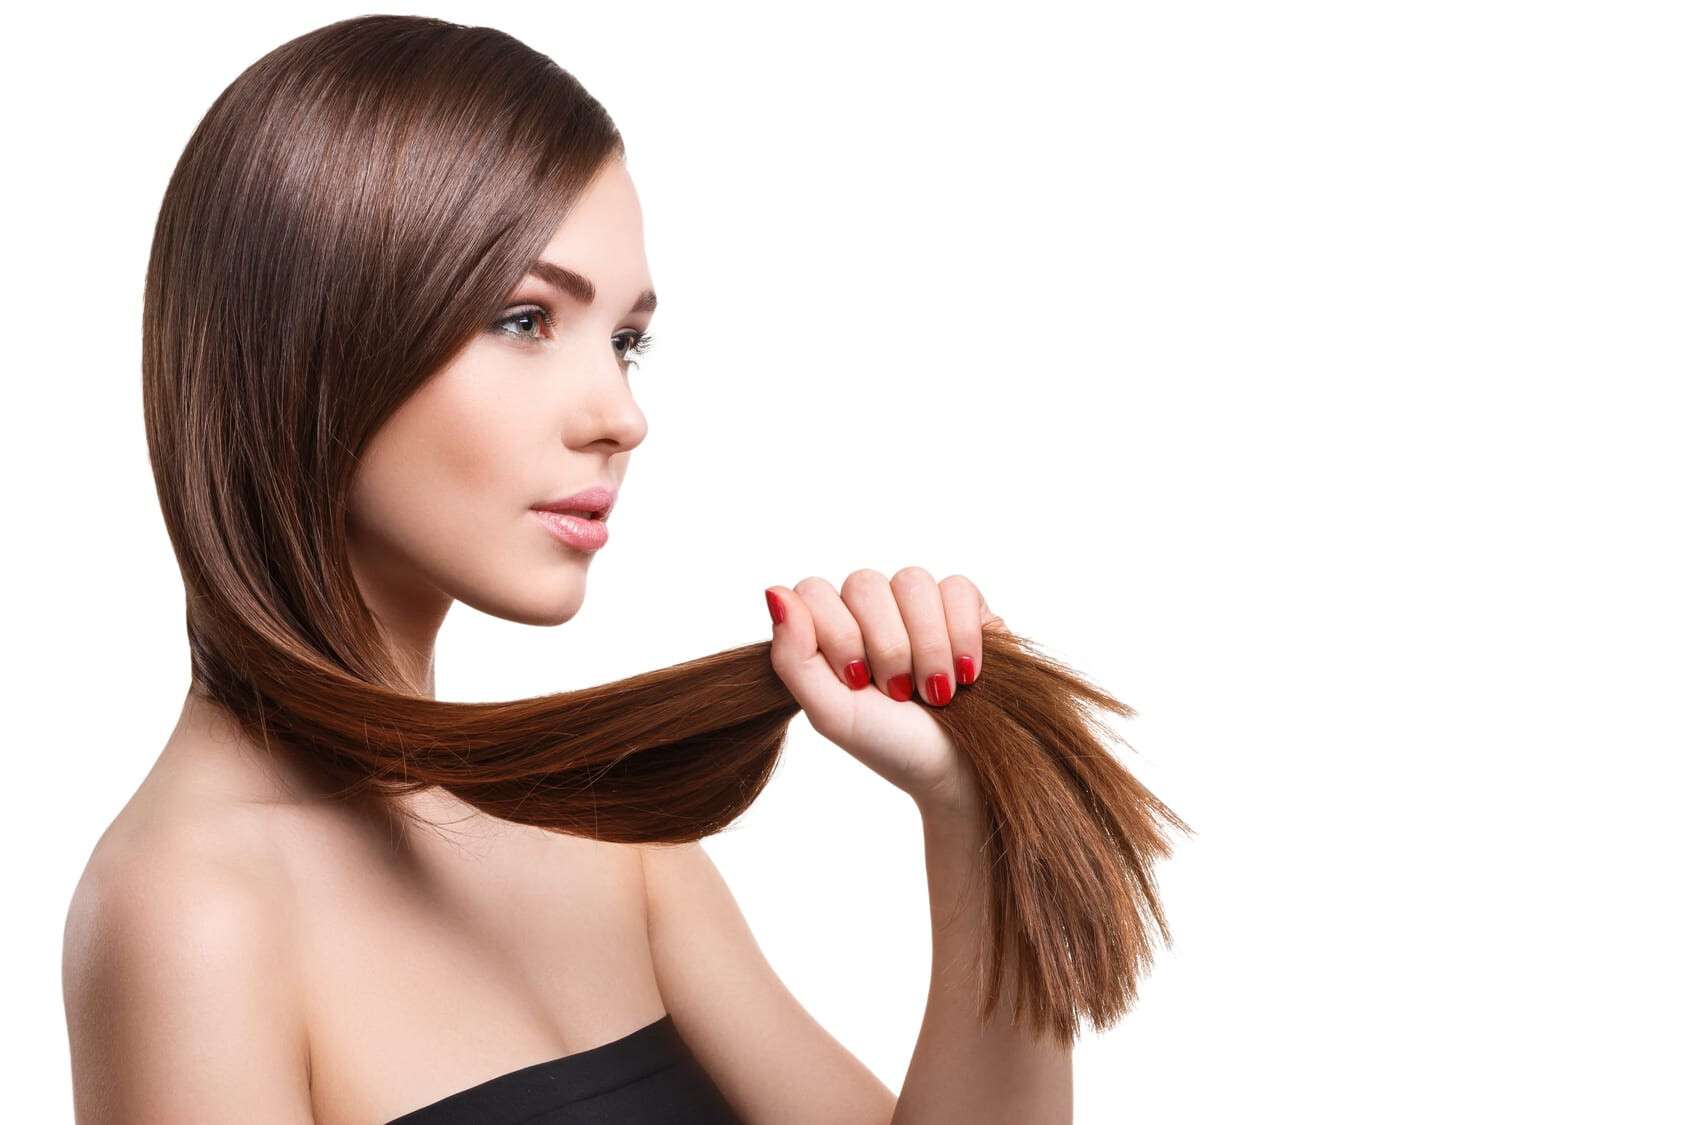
[891,654]
[959,582]
[910,577]
[863,578]
[935,651]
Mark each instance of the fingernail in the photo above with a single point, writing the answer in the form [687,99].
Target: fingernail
[938,688]
[901,686]
[856,673]
[964,669]
[776,608]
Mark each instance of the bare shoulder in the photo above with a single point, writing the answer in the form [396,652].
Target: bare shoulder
[178,973]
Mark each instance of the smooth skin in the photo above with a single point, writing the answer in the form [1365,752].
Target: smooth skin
[239,950]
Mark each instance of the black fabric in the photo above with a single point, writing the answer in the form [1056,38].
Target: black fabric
[648,1077]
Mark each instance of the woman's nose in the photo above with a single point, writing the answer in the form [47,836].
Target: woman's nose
[605,409]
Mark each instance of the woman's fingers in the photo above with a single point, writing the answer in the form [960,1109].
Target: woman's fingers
[909,633]
[793,653]
[867,594]
[922,607]
[962,612]
[836,631]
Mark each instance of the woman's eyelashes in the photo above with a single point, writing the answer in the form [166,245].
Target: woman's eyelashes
[532,314]
[639,343]
[632,342]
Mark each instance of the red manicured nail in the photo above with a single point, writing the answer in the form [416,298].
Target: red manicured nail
[901,686]
[776,608]
[938,688]
[964,669]
[856,673]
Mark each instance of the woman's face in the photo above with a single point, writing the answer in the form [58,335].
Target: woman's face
[537,408]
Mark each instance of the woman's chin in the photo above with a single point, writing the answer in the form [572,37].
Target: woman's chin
[548,603]
[557,611]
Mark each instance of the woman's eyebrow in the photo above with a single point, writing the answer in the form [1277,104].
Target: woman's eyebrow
[579,286]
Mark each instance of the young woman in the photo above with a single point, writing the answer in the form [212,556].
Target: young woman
[397,285]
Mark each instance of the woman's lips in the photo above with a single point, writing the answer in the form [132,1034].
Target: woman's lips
[577,531]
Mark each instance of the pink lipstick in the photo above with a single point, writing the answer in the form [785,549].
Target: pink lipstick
[579,520]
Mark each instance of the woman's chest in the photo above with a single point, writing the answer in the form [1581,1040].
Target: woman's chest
[426,977]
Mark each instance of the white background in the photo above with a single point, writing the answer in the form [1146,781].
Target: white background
[1308,375]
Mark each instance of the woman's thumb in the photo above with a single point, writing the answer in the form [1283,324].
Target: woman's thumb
[797,658]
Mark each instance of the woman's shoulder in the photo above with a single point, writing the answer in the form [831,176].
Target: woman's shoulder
[153,888]
[215,814]
[179,865]
[195,821]
[222,834]
[178,966]
[197,855]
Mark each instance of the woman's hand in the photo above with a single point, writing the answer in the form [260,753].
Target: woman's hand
[904,635]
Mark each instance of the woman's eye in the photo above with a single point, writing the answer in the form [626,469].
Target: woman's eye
[634,343]
[529,316]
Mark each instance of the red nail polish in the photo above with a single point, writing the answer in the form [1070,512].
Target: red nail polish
[856,673]
[938,688]
[901,687]
[964,669]
[776,608]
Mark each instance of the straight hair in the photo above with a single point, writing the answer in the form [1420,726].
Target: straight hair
[405,171]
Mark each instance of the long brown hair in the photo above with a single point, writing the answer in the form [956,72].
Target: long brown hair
[404,171]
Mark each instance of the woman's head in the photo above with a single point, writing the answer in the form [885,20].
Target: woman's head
[326,402]
[537,407]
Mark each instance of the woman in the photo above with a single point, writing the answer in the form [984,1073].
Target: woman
[397,285]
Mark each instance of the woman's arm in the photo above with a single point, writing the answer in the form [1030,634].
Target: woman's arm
[962,1070]
[773,1061]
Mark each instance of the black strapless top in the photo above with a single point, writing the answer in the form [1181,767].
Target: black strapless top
[646,1077]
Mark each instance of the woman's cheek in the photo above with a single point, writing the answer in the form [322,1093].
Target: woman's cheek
[473,433]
